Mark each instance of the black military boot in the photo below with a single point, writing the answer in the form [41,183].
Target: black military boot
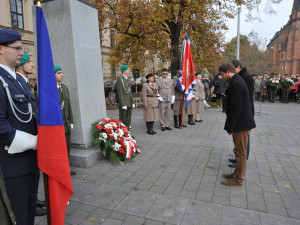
[191,121]
[151,125]
[148,124]
[180,116]
[176,121]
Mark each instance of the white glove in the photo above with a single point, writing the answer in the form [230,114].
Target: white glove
[22,142]
[157,95]
[173,99]
[72,126]
[161,99]
[124,107]
[133,106]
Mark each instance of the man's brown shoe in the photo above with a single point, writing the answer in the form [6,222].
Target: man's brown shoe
[228,176]
[231,183]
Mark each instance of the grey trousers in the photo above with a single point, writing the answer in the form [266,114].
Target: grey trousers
[164,113]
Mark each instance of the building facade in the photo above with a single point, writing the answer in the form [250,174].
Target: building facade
[285,45]
[17,15]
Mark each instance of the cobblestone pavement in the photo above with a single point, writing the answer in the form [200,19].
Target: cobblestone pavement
[176,179]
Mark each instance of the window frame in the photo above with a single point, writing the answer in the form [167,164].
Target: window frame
[17,14]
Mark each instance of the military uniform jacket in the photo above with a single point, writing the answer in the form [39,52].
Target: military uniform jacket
[177,91]
[165,90]
[66,109]
[124,92]
[149,95]
[199,90]
[257,86]
[7,216]
[23,163]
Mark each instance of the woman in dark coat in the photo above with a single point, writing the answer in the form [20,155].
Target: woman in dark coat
[150,102]
[218,90]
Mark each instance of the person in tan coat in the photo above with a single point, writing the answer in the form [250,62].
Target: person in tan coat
[200,97]
[166,98]
[150,102]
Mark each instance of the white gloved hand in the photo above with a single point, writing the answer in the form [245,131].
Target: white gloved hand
[22,142]
[124,107]
[133,106]
[72,126]
[173,99]
[161,99]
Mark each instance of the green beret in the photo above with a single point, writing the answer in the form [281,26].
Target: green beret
[24,59]
[57,68]
[124,67]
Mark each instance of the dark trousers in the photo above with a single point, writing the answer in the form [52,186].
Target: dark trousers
[22,192]
[68,140]
[240,140]
[285,95]
[125,116]
[223,103]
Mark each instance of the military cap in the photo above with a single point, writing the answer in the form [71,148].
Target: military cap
[124,67]
[165,70]
[24,59]
[57,68]
[9,36]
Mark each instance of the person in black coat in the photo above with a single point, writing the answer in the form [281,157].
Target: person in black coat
[250,85]
[239,121]
[218,90]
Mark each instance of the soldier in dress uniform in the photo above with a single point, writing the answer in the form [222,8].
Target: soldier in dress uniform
[200,97]
[263,90]
[166,98]
[23,70]
[150,102]
[65,106]
[124,94]
[177,106]
[18,132]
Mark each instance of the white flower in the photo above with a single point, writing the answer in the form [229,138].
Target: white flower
[104,135]
[102,139]
[116,147]
[108,126]
[115,136]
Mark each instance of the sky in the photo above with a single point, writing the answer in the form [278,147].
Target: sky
[268,24]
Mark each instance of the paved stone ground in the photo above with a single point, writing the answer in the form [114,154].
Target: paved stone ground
[176,179]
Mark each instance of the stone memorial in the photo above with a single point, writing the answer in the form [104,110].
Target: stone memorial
[74,35]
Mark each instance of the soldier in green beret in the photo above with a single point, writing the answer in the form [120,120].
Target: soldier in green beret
[124,96]
[65,106]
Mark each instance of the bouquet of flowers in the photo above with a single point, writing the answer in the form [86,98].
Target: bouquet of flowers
[273,83]
[114,140]
[286,83]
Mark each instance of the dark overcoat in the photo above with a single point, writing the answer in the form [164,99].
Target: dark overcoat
[238,110]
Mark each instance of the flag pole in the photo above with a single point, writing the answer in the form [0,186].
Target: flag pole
[182,108]
[45,176]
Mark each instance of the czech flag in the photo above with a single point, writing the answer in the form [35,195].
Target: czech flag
[51,144]
[187,79]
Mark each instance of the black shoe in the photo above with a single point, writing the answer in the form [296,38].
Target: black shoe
[184,125]
[233,165]
[40,211]
[168,128]
[150,132]
[153,132]
[198,121]
[163,129]
[73,173]
[41,203]
[190,121]
[232,160]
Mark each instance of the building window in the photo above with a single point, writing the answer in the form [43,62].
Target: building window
[16,10]
[281,56]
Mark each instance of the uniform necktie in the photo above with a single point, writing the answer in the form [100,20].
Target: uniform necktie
[152,85]
[166,82]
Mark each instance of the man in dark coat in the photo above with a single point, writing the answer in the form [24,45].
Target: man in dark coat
[239,121]
[250,85]
[18,132]
[65,106]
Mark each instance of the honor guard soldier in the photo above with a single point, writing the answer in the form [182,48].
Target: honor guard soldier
[124,93]
[167,97]
[23,70]
[65,106]
[18,132]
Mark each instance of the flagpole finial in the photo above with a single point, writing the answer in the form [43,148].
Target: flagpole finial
[38,4]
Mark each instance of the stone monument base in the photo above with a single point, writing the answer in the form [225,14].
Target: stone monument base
[84,157]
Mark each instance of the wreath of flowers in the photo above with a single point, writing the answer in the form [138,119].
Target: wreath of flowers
[114,139]
[273,83]
[286,83]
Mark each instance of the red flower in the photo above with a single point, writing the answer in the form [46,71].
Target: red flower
[112,120]
[105,121]
[99,127]
[107,130]
[121,150]
[110,136]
